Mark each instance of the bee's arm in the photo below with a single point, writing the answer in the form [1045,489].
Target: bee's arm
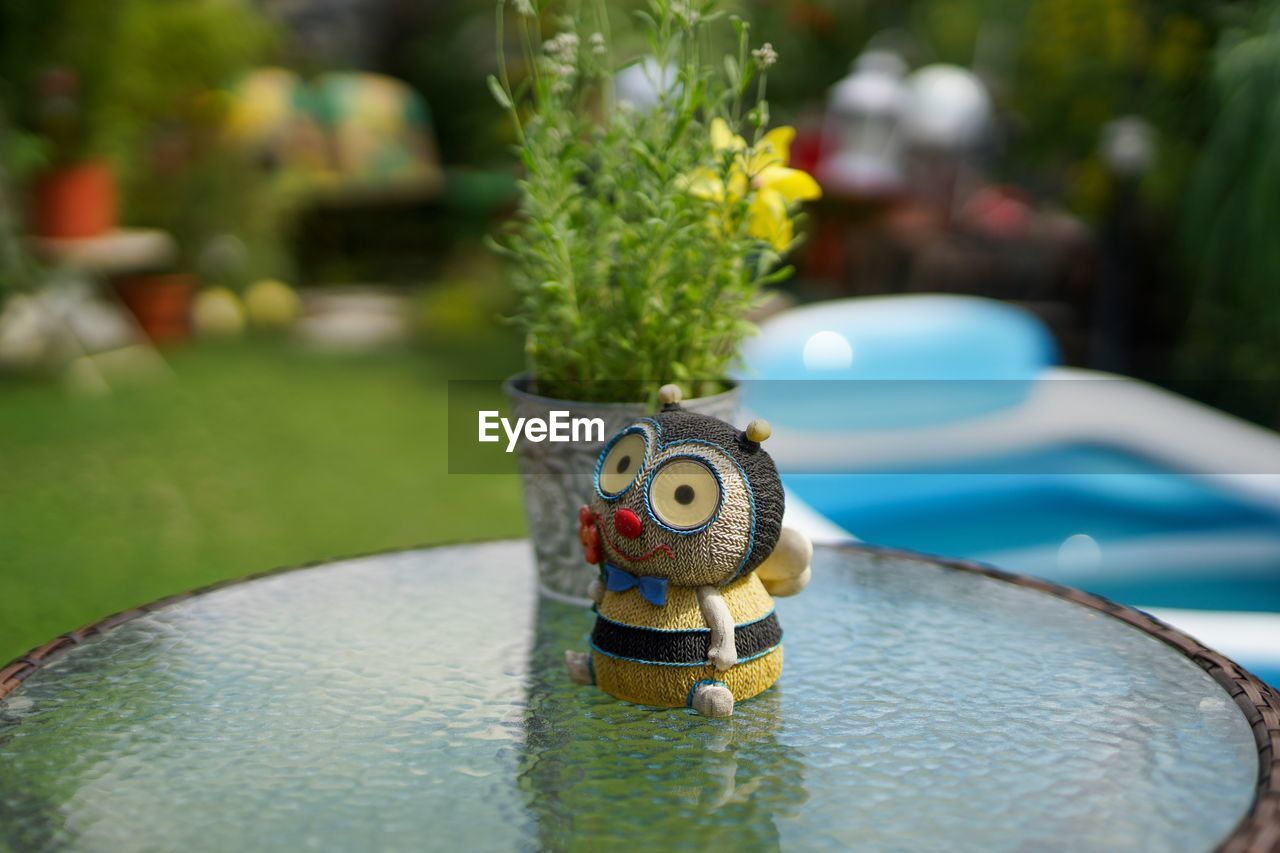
[786,571]
[595,590]
[723,652]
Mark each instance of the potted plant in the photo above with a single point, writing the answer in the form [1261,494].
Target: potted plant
[76,195]
[57,67]
[649,227]
[130,94]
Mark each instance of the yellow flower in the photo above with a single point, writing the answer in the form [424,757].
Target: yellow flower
[762,172]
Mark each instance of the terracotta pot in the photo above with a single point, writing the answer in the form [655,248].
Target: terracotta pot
[74,201]
[162,304]
[557,479]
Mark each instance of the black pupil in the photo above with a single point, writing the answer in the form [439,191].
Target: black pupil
[623,464]
[684,494]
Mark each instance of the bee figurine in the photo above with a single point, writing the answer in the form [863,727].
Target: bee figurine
[686,526]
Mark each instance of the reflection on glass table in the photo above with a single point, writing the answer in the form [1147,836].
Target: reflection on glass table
[419,698]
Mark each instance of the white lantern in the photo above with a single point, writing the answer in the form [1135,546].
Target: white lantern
[863,133]
[948,109]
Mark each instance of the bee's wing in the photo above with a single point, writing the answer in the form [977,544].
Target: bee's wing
[786,571]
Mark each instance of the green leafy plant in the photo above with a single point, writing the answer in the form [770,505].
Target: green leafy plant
[1233,332]
[647,232]
[71,39]
[182,174]
[141,84]
[132,64]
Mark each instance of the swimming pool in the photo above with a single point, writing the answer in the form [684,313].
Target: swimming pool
[1089,516]
[1094,517]
[941,425]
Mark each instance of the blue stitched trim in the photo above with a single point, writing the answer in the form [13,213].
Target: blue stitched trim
[631,430]
[596,648]
[737,625]
[749,622]
[648,488]
[751,538]
[688,701]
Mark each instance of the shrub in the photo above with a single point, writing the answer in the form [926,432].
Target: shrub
[647,231]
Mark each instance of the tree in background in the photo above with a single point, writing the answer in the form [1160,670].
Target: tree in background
[150,80]
[1229,233]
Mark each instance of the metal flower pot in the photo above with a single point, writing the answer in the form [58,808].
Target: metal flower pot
[557,479]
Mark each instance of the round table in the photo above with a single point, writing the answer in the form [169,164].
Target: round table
[419,699]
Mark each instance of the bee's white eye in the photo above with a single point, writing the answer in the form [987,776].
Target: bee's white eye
[621,464]
[684,494]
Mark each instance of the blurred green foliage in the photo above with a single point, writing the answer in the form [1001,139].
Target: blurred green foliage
[152,78]
[181,174]
[1233,211]
[445,54]
[817,41]
[1083,63]
[139,64]
[469,296]
[181,56]
[76,34]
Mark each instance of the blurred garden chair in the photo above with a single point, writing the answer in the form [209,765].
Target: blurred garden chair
[357,155]
[346,137]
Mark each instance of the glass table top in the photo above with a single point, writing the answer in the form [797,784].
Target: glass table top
[420,698]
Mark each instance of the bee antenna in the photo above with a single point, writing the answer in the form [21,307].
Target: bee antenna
[756,433]
[669,396]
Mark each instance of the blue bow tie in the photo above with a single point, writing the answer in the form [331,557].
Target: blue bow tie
[654,590]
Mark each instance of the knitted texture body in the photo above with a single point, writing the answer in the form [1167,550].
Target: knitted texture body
[746,597]
[670,687]
[686,509]
[637,677]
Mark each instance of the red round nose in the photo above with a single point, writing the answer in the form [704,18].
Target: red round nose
[627,523]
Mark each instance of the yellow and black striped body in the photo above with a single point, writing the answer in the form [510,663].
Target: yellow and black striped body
[654,655]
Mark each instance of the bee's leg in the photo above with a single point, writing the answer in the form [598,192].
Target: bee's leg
[580,669]
[711,699]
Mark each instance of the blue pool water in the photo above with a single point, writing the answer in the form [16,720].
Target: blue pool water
[1098,518]
[1094,517]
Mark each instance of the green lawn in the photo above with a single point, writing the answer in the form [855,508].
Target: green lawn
[255,455]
